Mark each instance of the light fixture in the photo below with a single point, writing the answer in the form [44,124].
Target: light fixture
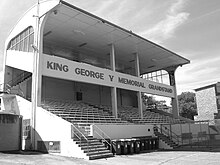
[78,32]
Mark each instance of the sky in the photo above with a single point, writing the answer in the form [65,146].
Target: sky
[190,28]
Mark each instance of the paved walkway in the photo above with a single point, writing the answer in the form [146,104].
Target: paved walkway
[153,158]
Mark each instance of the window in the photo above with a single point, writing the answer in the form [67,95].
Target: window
[23,41]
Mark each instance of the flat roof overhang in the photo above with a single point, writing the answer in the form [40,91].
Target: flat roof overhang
[72,27]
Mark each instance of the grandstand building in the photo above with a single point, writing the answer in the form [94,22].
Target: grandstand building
[77,78]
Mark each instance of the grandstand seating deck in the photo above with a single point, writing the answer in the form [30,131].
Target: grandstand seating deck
[79,112]
[149,116]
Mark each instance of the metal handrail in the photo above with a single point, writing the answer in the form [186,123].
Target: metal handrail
[168,132]
[80,132]
[19,78]
[80,137]
[7,87]
[103,137]
[172,134]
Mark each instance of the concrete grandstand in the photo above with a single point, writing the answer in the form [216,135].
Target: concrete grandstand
[78,81]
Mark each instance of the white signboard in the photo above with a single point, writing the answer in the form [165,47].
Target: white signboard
[65,69]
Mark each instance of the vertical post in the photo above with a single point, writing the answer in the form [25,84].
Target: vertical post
[34,95]
[171,132]
[181,130]
[175,105]
[113,89]
[190,140]
[201,134]
[139,96]
[21,132]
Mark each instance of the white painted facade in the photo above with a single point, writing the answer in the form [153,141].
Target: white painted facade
[104,63]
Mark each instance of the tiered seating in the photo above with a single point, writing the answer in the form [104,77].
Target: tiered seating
[131,114]
[79,112]
[149,116]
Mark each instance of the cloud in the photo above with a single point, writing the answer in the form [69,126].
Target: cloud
[166,27]
[199,73]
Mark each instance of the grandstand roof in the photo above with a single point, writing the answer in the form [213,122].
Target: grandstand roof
[73,27]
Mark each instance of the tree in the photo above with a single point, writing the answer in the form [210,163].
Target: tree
[151,102]
[187,105]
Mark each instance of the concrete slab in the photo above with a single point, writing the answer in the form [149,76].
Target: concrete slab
[152,158]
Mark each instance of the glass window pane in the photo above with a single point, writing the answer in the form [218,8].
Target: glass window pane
[21,45]
[17,46]
[22,36]
[31,41]
[25,33]
[31,30]
[25,45]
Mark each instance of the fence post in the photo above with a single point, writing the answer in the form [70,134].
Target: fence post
[181,132]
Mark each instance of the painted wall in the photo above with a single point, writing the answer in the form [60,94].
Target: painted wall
[64,89]
[56,130]
[121,131]
[17,105]
[14,60]
[58,67]
[49,127]
[10,135]
[57,89]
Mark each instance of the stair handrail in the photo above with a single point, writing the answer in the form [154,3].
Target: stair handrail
[19,91]
[174,137]
[81,137]
[20,77]
[14,81]
[103,137]
[170,133]
[80,132]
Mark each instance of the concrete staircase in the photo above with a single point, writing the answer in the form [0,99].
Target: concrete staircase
[93,147]
[166,139]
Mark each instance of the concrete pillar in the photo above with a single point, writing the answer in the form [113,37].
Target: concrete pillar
[37,73]
[174,101]
[139,96]
[113,89]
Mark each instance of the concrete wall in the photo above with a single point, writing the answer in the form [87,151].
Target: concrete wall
[57,89]
[10,132]
[121,131]
[49,127]
[56,130]
[195,129]
[53,88]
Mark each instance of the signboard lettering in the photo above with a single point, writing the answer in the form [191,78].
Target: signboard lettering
[75,71]
[57,66]
[89,73]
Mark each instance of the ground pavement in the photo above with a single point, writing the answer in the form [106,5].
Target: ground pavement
[152,158]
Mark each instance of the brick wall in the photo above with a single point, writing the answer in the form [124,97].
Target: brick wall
[206,103]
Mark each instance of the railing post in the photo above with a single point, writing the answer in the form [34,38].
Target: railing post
[170,132]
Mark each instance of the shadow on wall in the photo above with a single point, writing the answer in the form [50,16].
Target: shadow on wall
[17,106]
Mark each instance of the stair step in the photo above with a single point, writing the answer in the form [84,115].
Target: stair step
[166,139]
[89,141]
[101,148]
[100,156]
[93,146]
[97,152]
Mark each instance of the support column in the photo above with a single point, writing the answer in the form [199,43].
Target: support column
[139,96]
[37,73]
[113,89]
[174,101]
